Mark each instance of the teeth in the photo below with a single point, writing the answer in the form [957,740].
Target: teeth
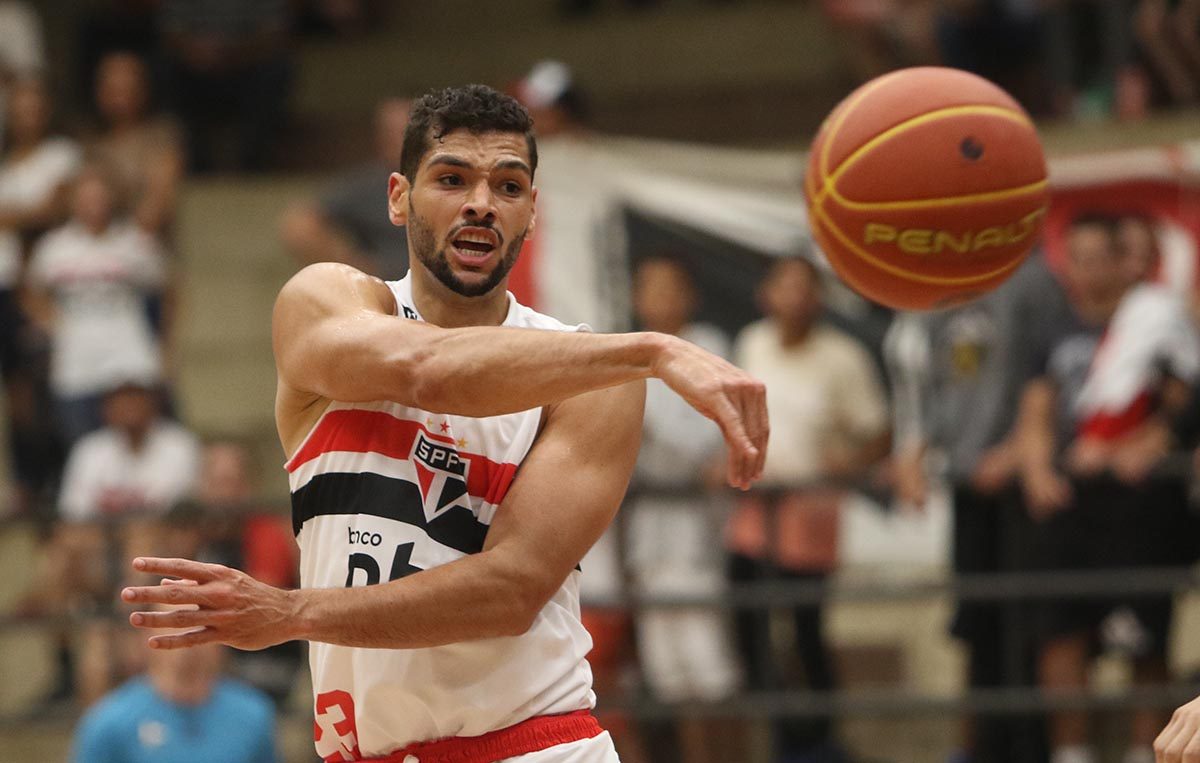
[475,238]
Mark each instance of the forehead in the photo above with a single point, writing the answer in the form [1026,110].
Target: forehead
[479,149]
[663,270]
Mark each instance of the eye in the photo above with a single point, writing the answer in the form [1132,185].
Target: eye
[449,180]
[512,188]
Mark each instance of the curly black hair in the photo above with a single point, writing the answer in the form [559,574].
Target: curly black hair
[477,108]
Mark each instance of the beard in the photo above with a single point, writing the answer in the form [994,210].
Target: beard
[423,244]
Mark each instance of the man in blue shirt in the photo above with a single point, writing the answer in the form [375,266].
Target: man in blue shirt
[181,711]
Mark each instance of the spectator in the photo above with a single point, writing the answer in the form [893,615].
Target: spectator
[22,53]
[555,101]
[1092,428]
[228,526]
[144,152]
[228,60]
[672,528]
[970,364]
[828,425]
[35,168]
[349,223]
[87,286]
[119,481]
[1003,42]
[181,710]
[138,461]
[1165,33]
[112,26]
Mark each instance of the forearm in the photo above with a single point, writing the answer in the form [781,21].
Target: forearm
[472,598]
[490,371]
[1035,438]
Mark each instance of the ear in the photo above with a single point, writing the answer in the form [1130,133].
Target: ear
[398,189]
[533,215]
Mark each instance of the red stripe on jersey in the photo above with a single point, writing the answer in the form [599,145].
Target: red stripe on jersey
[1109,426]
[358,431]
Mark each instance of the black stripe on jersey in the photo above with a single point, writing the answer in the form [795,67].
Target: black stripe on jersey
[373,494]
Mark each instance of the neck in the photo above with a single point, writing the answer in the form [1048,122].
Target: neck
[23,148]
[137,437]
[792,334]
[1099,308]
[97,227]
[440,306]
[181,689]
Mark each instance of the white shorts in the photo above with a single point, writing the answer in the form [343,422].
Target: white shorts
[598,749]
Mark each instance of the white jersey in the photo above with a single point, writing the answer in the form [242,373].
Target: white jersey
[382,490]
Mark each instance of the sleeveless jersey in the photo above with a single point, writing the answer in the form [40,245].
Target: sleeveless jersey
[381,490]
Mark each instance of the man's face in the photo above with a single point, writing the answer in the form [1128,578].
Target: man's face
[663,297]
[469,208]
[131,409]
[790,294]
[121,89]
[1137,244]
[28,111]
[1094,267]
[92,204]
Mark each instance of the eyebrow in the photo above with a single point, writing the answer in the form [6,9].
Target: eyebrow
[454,161]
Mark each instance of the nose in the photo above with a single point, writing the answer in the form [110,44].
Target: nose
[480,203]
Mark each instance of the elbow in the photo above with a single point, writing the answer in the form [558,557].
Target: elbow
[423,376]
[525,597]
[518,622]
[526,604]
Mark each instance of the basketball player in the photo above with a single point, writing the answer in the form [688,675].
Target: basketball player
[462,452]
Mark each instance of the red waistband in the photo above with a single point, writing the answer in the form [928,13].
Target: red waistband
[537,733]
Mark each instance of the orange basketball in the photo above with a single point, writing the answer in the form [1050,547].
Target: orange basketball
[926,187]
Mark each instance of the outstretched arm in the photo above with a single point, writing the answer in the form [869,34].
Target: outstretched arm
[564,496]
[336,337]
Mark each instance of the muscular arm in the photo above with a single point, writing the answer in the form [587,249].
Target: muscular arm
[545,525]
[336,337]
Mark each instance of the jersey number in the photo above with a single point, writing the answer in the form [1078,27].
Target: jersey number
[370,567]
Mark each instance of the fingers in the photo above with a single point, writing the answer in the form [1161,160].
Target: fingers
[742,453]
[1173,749]
[172,592]
[1163,742]
[758,427]
[177,618]
[180,568]
[183,640]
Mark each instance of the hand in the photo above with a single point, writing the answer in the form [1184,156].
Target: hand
[232,607]
[1046,492]
[1179,742]
[727,395]
[908,477]
[1088,457]
[996,467]
[1136,455]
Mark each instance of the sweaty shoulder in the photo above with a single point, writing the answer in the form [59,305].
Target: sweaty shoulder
[331,288]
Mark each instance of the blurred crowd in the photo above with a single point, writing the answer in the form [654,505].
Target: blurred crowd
[1068,58]
[1061,410]
[1060,413]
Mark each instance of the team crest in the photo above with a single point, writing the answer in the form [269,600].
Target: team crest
[441,476]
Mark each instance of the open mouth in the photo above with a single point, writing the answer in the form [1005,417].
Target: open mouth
[475,243]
